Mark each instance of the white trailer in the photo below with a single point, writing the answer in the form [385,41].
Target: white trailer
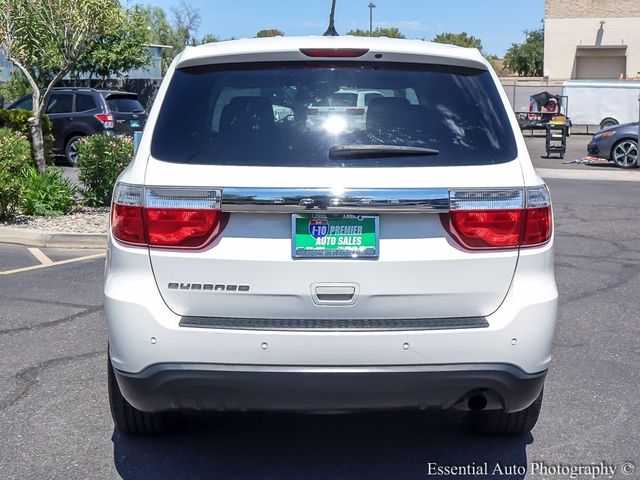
[602,103]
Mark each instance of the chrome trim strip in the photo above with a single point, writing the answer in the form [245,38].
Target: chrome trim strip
[328,200]
[486,199]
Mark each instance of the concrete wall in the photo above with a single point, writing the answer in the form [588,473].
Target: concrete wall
[570,23]
[591,8]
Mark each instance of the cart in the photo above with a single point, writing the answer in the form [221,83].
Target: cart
[544,108]
[556,139]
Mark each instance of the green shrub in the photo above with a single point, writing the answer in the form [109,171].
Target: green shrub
[47,194]
[14,88]
[18,121]
[101,158]
[15,157]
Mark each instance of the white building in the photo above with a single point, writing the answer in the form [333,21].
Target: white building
[592,39]
[152,71]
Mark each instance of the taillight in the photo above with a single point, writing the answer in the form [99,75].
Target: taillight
[106,119]
[490,219]
[355,111]
[334,52]
[127,222]
[166,217]
[312,111]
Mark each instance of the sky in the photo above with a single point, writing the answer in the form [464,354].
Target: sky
[498,23]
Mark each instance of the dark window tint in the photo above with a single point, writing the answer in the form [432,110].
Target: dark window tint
[124,104]
[226,115]
[84,102]
[60,103]
[24,104]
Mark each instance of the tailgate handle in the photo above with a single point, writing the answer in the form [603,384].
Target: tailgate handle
[333,294]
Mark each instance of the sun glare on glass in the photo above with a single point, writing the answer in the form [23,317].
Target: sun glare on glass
[334,124]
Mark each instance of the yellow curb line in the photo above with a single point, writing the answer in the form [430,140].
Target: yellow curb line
[40,256]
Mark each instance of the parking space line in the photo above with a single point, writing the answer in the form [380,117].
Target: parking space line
[53,264]
[40,256]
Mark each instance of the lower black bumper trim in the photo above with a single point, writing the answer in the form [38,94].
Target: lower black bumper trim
[251,387]
[340,324]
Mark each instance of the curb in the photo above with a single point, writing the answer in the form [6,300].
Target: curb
[590,175]
[44,238]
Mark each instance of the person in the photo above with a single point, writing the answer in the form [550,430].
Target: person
[551,106]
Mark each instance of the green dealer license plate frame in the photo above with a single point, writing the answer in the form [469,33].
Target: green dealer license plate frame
[335,236]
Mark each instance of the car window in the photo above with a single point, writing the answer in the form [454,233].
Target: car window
[24,104]
[124,104]
[85,102]
[60,103]
[336,99]
[229,115]
[370,96]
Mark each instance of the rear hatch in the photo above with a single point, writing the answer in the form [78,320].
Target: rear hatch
[440,140]
[128,113]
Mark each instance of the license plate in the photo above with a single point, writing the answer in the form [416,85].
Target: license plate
[334,236]
[135,123]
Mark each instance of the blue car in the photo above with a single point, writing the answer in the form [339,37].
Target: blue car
[618,144]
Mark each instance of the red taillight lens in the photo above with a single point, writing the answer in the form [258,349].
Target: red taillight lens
[355,111]
[488,228]
[178,227]
[127,224]
[334,52]
[166,217]
[537,226]
[312,111]
[106,119]
[500,218]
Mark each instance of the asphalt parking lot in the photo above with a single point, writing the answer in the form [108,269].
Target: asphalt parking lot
[576,149]
[54,414]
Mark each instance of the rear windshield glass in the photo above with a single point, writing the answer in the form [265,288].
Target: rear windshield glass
[124,104]
[270,115]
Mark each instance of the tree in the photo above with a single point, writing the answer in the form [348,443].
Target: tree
[161,33]
[462,39]
[178,35]
[527,58]
[209,38]
[270,32]
[390,32]
[186,21]
[118,52]
[52,35]
[16,87]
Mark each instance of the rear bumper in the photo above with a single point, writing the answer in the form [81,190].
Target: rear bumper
[143,332]
[165,387]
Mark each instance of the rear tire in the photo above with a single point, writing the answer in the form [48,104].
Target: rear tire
[498,422]
[129,420]
[71,151]
[608,122]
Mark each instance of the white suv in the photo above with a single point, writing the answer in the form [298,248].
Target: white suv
[263,263]
[348,106]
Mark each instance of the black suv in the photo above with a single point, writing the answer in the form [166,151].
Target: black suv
[76,112]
